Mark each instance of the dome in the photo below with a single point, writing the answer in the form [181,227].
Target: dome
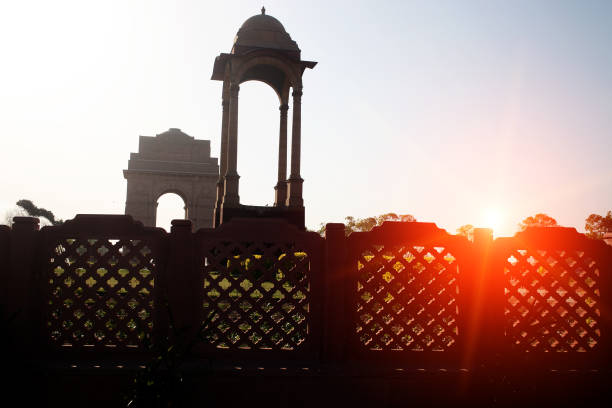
[263,31]
[263,22]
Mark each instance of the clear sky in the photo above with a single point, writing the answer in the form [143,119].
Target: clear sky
[452,111]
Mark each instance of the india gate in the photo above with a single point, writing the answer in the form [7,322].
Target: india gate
[178,163]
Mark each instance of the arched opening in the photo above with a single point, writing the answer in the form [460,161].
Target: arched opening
[258,128]
[170,206]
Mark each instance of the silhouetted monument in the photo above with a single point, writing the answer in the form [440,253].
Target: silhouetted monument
[263,51]
[172,162]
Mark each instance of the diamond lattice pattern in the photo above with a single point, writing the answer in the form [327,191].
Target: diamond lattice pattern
[407,298]
[259,295]
[99,292]
[552,301]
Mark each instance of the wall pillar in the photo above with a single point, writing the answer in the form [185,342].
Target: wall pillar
[181,282]
[231,197]
[294,198]
[337,287]
[21,278]
[280,198]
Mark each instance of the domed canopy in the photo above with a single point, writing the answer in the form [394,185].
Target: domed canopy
[263,51]
[264,31]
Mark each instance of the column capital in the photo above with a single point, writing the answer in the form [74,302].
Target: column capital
[297,92]
[284,108]
[234,88]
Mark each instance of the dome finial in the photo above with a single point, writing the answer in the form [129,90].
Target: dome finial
[263,10]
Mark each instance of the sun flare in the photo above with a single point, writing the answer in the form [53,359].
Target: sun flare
[493,218]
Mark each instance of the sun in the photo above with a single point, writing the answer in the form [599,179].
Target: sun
[493,218]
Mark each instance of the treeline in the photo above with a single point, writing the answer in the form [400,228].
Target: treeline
[595,225]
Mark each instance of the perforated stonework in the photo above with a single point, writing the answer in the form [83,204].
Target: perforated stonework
[100,293]
[552,301]
[407,298]
[259,294]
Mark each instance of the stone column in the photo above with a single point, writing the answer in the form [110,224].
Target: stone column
[223,154]
[230,197]
[281,186]
[294,198]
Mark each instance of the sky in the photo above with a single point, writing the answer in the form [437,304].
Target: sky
[470,112]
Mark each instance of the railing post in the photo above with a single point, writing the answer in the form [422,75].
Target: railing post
[336,322]
[605,284]
[181,276]
[5,262]
[20,282]
[607,238]
[6,308]
[485,321]
[491,276]
[484,294]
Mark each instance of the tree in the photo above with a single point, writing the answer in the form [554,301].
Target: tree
[12,213]
[34,211]
[597,225]
[366,224]
[353,224]
[538,220]
[467,231]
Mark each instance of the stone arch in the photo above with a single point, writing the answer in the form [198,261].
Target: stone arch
[172,162]
[170,206]
[172,190]
[258,144]
[177,187]
[293,79]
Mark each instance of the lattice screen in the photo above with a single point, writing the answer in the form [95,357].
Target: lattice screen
[407,298]
[260,294]
[552,301]
[100,292]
